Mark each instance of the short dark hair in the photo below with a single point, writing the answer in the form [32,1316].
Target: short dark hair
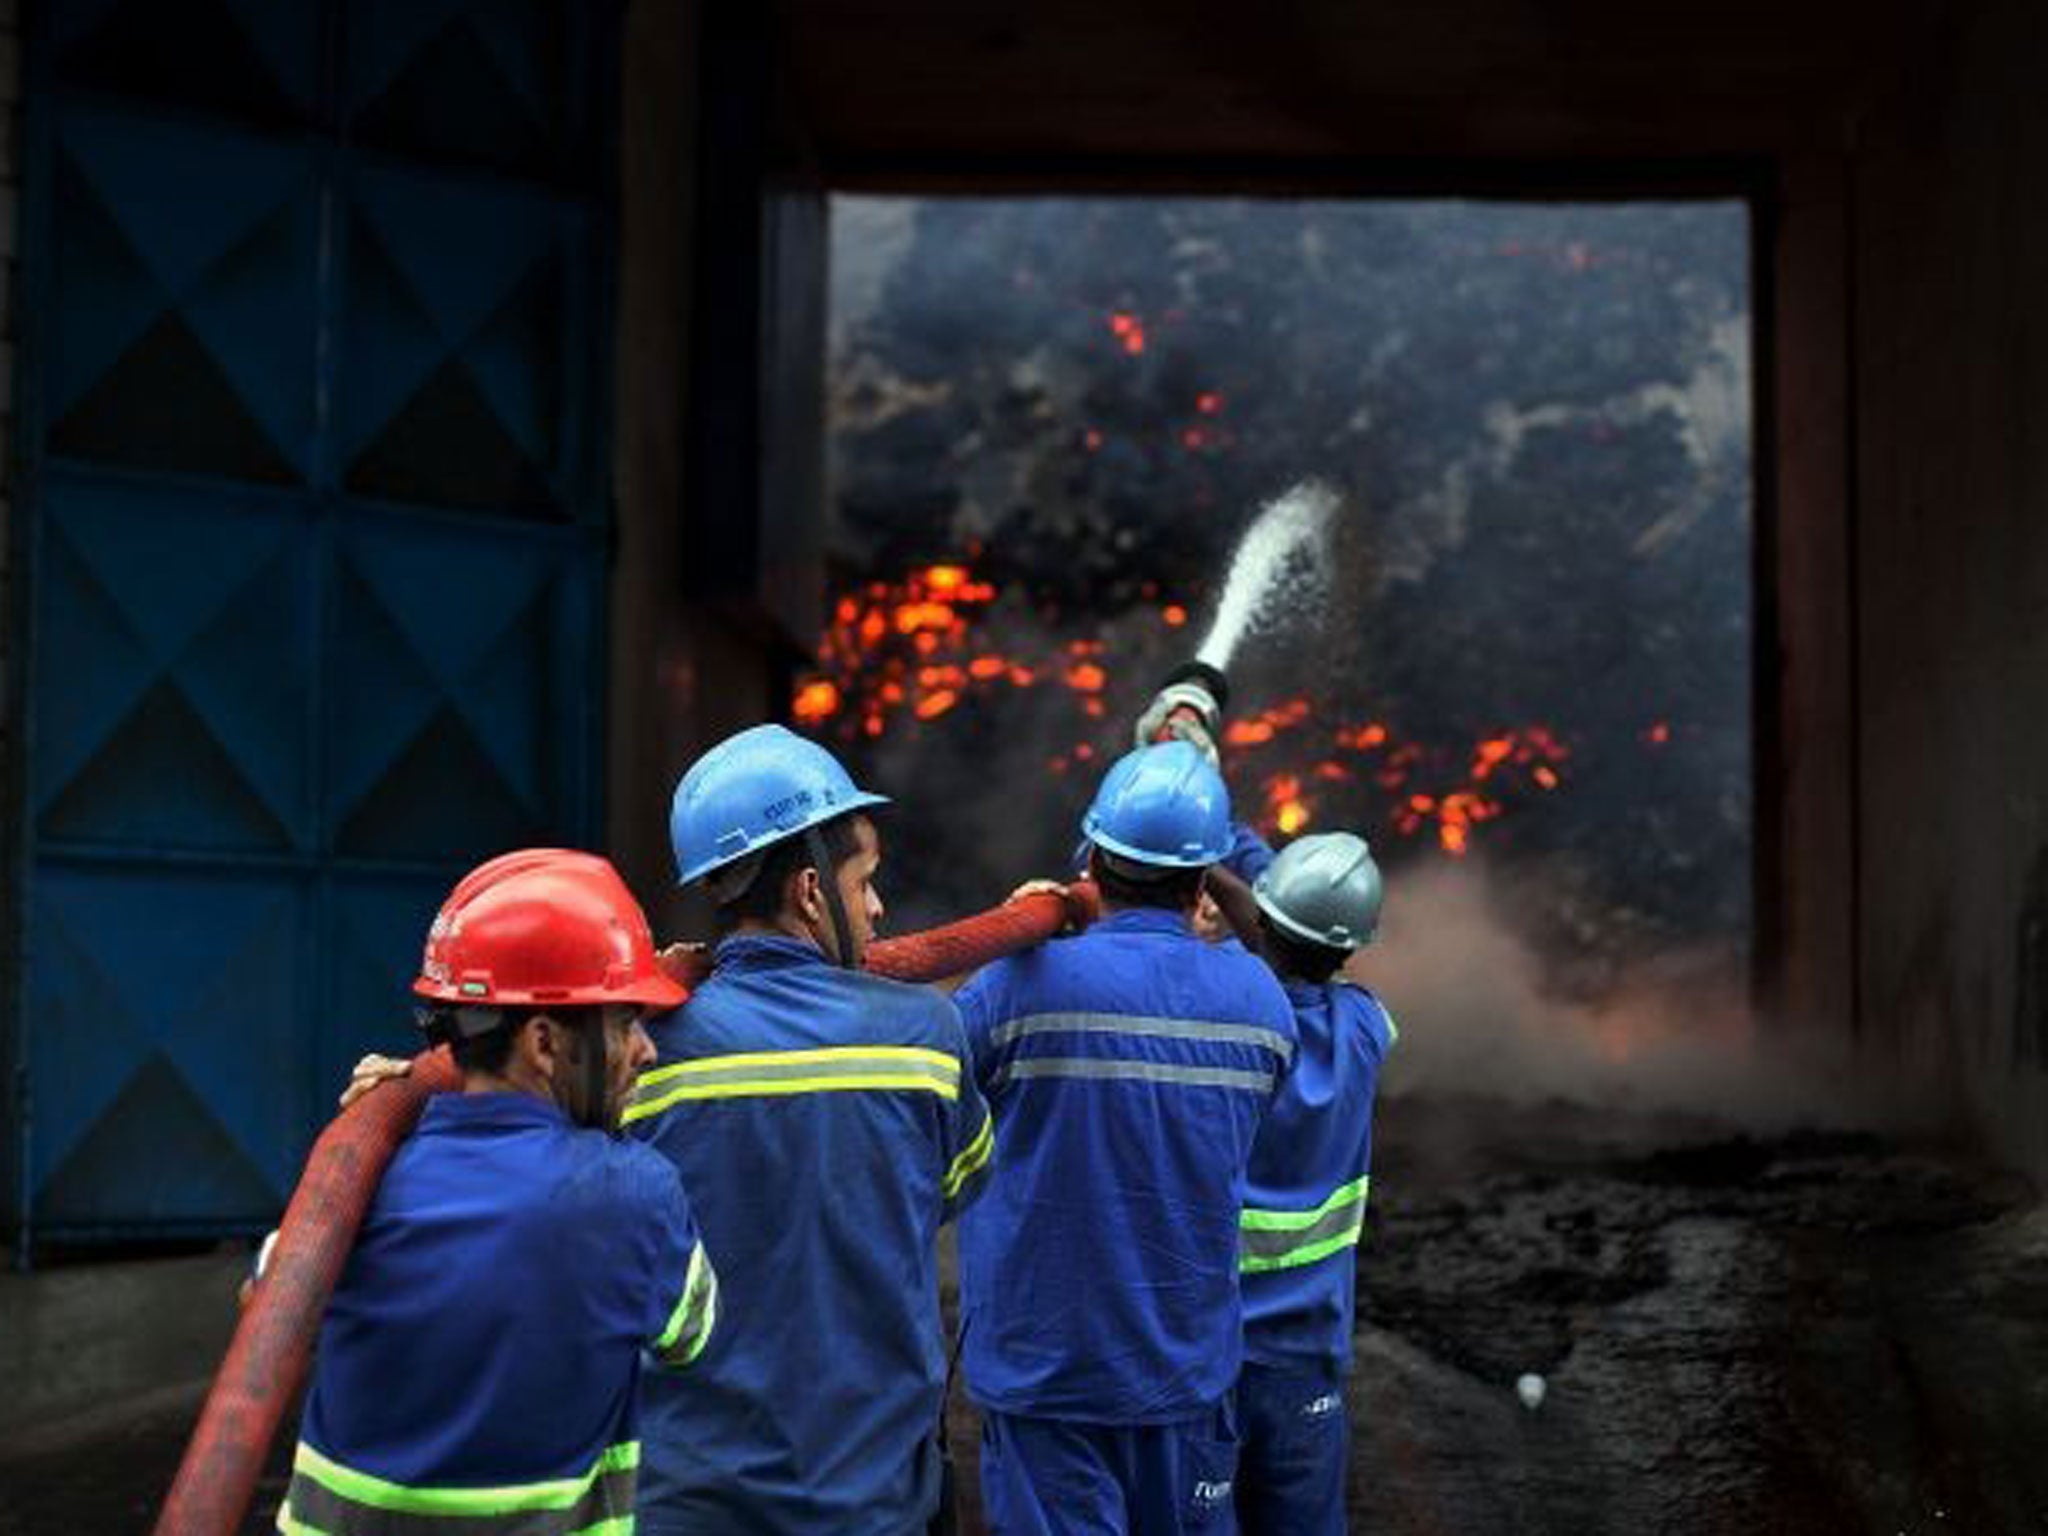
[1298,959]
[762,899]
[1125,883]
[489,1051]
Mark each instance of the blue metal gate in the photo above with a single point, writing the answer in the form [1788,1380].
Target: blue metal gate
[311,533]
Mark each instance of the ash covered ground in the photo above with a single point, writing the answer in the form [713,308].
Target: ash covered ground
[1824,1332]
[1805,1331]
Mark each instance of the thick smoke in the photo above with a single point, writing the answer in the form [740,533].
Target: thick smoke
[1535,420]
[1673,1035]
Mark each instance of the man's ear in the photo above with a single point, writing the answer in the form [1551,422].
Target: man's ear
[538,1046]
[807,896]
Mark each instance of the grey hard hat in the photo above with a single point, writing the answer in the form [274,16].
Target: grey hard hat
[1323,889]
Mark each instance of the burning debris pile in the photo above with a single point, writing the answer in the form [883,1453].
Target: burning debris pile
[1052,421]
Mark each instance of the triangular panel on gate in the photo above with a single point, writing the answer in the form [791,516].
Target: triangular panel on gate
[158,1157]
[191,965]
[256,60]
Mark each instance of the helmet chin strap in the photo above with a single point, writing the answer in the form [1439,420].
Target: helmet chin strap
[584,1099]
[828,882]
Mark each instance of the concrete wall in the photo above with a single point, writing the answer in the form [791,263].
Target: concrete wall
[1948,280]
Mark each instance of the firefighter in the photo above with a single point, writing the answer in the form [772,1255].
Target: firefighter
[478,1364]
[1128,1067]
[826,1126]
[1314,905]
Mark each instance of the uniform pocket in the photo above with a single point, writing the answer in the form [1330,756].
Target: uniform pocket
[1209,1464]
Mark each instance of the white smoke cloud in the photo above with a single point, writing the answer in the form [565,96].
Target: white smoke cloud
[1481,1014]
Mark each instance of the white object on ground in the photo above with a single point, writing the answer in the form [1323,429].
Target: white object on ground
[1530,1387]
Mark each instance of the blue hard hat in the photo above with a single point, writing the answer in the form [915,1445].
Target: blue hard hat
[752,791]
[1164,804]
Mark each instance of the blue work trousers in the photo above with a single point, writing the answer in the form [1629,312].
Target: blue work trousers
[1055,1477]
[1294,1450]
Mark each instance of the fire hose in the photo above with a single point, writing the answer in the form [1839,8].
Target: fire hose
[272,1350]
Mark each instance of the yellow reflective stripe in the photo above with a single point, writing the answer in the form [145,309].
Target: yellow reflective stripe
[686,1304]
[772,1087]
[696,1314]
[828,1069]
[1295,1221]
[970,1160]
[706,1325]
[878,1054]
[362,1488]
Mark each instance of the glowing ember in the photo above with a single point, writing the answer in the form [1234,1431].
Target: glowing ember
[1289,811]
[907,651]
[1261,728]
[815,702]
[1129,331]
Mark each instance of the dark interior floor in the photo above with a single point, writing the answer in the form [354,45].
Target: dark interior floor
[1818,1332]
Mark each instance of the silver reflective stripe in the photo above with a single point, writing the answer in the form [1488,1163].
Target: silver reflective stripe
[1204,1031]
[1134,1071]
[1287,1239]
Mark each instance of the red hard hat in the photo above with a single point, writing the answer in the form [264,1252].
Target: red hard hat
[543,925]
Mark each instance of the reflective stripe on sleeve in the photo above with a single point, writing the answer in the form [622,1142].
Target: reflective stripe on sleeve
[332,1500]
[696,1314]
[1286,1239]
[972,1159]
[1202,1031]
[757,1074]
[1109,1069]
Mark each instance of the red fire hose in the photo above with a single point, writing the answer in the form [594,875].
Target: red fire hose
[272,1349]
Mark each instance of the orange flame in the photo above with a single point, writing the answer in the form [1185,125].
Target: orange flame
[1289,811]
[905,649]
[816,701]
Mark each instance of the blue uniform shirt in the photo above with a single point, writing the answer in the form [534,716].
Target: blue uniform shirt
[1310,1172]
[1249,854]
[481,1353]
[825,1125]
[1127,1067]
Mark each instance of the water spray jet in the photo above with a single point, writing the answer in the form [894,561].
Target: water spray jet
[1285,552]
